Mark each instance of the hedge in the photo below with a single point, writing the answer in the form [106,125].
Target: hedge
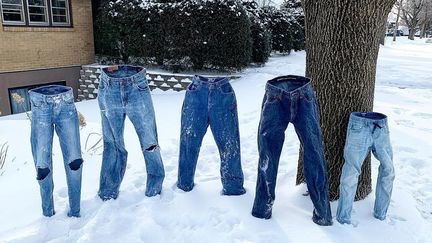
[198,34]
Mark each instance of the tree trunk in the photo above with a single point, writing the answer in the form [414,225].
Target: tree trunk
[397,21]
[384,32]
[411,33]
[342,43]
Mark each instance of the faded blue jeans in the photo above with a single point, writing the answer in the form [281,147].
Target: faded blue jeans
[366,131]
[210,102]
[123,91]
[291,99]
[52,109]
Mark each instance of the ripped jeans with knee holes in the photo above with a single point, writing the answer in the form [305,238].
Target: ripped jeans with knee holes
[53,109]
[123,91]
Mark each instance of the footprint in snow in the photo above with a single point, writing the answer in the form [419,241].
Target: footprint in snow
[393,219]
[62,192]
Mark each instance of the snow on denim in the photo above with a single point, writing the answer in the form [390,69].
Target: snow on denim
[53,109]
[366,131]
[291,99]
[210,102]
[123,91]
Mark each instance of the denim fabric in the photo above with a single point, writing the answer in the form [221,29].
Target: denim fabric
[123,91]
[291,99]
[53,108]
[210,102]
[366,131]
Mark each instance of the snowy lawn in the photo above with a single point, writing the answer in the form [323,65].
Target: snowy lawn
[403,92]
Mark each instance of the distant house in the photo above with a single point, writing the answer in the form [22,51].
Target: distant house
[42,42]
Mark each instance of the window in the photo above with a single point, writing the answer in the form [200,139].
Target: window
[60,12]
[12,11]
[19,97]
[36,12]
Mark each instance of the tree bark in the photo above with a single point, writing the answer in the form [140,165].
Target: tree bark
[342,43]
[411,33]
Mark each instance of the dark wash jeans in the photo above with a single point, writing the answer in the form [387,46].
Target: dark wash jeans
[366,131]
[53,108]
[291,99]
[210,102]
[123,91]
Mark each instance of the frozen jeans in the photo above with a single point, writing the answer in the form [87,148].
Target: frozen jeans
[366,131]
[52,108]
[291,99]
[210,102]
[123,91]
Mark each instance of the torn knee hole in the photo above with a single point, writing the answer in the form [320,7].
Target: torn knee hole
[76,164]
[152,148]
[42,173]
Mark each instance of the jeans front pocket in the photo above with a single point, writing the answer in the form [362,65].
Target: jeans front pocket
[226,89]
[142,85]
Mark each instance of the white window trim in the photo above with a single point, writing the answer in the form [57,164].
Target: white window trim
[13,22]
[68,23]
[46,14]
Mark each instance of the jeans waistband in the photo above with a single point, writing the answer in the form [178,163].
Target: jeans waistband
[51,94]
[290,86]
[368,118]
[123,74]
[216,81]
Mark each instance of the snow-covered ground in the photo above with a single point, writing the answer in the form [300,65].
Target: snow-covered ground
[403,92]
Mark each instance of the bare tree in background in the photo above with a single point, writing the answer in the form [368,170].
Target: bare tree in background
[425,18]
[411,11]
[398,5]
[342,43]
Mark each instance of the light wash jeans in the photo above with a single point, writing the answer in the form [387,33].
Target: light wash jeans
[210,102]
[123,91]
[291,99]
[53,109]
[366,131]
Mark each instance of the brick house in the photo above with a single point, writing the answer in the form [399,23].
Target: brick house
[42,42]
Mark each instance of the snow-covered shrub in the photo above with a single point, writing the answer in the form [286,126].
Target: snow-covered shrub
[117,34]
[295,9]
[261,36]
[279,22]
[179,34]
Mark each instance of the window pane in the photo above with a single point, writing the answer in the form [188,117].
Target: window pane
[58,3]
[59,19]
[37,18]
[11,1]
[36,2]
[12,17]
[36,10]
[20,101]
[59,11]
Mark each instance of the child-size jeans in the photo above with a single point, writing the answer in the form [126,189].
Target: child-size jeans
[210,102]
[53,108]
[123,91]
[366,131]
[291,99]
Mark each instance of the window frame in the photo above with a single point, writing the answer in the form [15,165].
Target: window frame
[68,18]
[49,15]
[8,22]
[33,23]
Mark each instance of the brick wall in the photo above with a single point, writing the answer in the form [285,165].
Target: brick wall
[24,48]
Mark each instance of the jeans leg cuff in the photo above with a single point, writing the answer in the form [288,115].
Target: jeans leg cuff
[322,221]
[185,188]
[379,217]
[236,192]
[261,215]
[105,196]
